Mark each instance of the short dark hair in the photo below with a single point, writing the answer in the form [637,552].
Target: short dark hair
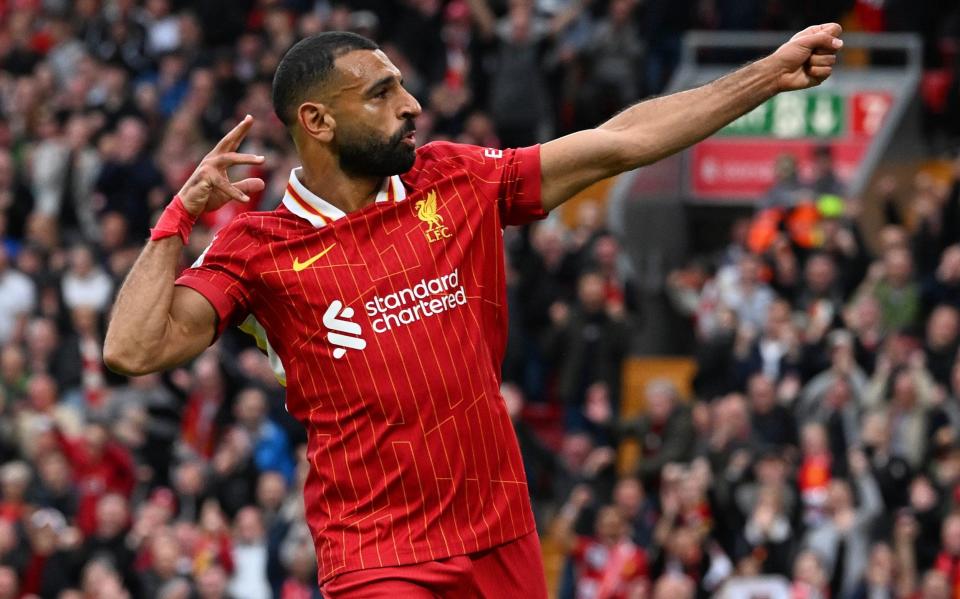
[307,64]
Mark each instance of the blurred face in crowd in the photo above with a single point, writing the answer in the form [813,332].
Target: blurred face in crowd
[101,580]
[779,320]
[112,515]
[611,527]
[659,403]
[819,274]
[948,271]
[42,391]
[770,470]
[628,496]
[876,431]
[41,336]
[131,138]
[734,415]
[880,568]
[950,534]
[685,545]
[212,583]
[548,242]
[81,260]
[807,569]
[96,436]
[575,448]
[839,393]
[904,393]
[113,231]
[839,497]
[935,585]
[899,266]
[943,326]
[591,292]
[605,253]
[893,237]
[249,526]
[54,472]
[251,408]
[12,362]
[8,537]
[164,553]
[674,586]
[271,491]
[14,480]
[762,394]
[749,269]
[77,131]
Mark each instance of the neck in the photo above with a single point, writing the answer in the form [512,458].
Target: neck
[340,189]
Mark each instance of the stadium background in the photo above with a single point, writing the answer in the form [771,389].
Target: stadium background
[707,392]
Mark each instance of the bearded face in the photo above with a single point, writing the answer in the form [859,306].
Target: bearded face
[364,152]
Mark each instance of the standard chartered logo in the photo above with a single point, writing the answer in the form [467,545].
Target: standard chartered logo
[426,298]
[344,333]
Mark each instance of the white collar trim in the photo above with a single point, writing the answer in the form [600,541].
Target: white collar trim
[319,212]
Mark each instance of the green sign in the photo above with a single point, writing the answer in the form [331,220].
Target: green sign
[792,116]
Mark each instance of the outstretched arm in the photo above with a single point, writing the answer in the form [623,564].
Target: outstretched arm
[657,128]
[156,325]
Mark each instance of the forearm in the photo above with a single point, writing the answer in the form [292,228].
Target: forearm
[140,326]
[657,128]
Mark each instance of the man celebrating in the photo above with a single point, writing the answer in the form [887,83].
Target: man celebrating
[377,289]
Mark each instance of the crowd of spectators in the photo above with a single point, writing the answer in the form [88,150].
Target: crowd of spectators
[826,391]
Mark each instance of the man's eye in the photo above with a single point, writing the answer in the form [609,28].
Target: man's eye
[381,94]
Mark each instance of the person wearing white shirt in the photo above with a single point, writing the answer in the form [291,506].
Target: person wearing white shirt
[18,296]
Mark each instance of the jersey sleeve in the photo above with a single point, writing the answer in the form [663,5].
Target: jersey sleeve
[510,176]
[221,275]
[520,200]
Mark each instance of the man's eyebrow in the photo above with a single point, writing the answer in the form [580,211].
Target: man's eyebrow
[386,80]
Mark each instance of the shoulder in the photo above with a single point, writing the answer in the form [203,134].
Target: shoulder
[458,155]
[262,225]
[441,159]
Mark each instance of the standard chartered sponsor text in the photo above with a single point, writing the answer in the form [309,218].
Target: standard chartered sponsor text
[426,298]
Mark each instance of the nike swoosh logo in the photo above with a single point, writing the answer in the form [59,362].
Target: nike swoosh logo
[298,266]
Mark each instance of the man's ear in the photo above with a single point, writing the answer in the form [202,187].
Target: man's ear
[316,121]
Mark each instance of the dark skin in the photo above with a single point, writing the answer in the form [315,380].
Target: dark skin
[367,89]
[156,325]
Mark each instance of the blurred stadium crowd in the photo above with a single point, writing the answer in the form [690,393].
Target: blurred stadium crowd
[822,442]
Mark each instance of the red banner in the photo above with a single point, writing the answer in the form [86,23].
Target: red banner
[725,168]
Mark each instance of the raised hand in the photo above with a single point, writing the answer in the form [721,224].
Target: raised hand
[808,58]
[209,187]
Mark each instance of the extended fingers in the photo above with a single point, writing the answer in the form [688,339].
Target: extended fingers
[230,190]
[231,141]
[229,159]
[250,185]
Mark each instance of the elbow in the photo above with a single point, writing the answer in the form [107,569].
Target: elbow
[125,361]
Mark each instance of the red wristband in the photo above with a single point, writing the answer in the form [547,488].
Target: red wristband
[175,220]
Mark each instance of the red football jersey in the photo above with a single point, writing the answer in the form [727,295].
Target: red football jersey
[389,325]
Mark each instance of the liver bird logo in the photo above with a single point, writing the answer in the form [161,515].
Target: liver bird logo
[427,212]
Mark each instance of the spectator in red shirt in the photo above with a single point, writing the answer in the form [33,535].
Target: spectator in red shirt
[100,466]
[948,560]
[609,564]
